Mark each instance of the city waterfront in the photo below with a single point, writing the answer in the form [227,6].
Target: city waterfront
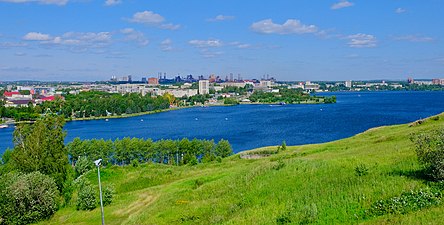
[251,126]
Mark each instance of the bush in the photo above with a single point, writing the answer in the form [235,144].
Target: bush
[108,194]
[284,146]
[28,198]
[430,152]
[83,165]
[135,163]
[361,170]
[407,202]
[86,198]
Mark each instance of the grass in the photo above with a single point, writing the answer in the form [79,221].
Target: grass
[330,183]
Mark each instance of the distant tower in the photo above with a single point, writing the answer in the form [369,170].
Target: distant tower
[238,77]
[231,76]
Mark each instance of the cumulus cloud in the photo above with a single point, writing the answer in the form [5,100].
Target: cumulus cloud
[152,19]
[206,43]
[341,4]
[147,17]
[134,35]
[46,2]
[112,2]
[361,41]
[221,18]
[400,10]
[36,36]
[291,26]
[413,38]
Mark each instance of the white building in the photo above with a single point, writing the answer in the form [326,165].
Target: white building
[265,83]
[204,87]
[348,83]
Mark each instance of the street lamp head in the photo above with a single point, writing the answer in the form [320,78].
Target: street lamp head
[98,162]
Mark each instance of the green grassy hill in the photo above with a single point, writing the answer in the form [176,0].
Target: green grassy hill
[330,183]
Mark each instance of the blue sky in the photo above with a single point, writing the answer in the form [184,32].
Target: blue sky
[88,40]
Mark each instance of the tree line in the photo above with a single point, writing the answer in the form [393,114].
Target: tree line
[289,96]
[88,104]
[135,150]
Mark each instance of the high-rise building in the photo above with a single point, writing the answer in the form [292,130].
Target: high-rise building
[348,83]
[204,87]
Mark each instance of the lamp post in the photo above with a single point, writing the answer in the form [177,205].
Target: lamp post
[98,163]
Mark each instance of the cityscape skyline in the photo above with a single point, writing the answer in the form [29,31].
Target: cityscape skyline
[64,40]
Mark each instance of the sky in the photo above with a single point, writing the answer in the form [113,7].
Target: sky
[92,40]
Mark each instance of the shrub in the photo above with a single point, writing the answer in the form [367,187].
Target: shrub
[283,146]
[108,194]
[135,163]
[361,170]
[280,164]
[197,183]
[28,198]
[86,199]
[430,152]
[83,165]
[407,202]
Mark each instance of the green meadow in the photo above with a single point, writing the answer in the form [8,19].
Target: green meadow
[331,183]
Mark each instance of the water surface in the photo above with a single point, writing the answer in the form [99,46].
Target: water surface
[252,126]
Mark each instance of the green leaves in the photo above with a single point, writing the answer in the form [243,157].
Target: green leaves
[40,147]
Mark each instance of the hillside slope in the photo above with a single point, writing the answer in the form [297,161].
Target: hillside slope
[303,184]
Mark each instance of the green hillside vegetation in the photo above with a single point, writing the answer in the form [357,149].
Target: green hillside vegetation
[342,182]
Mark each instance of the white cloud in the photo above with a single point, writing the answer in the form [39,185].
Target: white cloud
[36,36]
[166,45]
[46,2]
[361,41]
[206,43]
[291,26]
[413,38]
[342,4]
[210,54]
[112,2]
[152,19]
[12,44]
[221,18]
[134,35]
[147,17]
[170,26]
[400,10]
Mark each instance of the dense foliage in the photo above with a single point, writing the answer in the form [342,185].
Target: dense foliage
[125,151]
[231,101]
[290,96]
[430,152]
[87,104]
[40,147]
[27,198]
[94,103]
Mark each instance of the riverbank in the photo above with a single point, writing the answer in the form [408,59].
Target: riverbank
[127,115]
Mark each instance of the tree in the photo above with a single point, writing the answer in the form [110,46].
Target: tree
[223,148]
[83,165]
[284,146]
[27,198]
[40,147]
[430,152]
